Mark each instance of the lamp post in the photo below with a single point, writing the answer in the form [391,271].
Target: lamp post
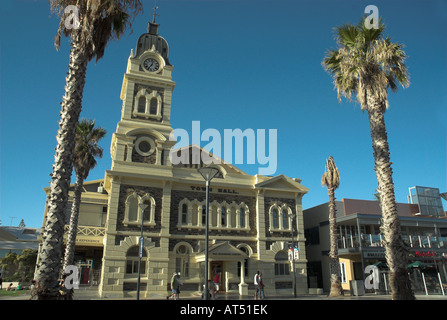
[292,218]
[143,207]
[208,173]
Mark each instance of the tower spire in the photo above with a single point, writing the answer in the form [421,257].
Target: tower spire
[155,12]
[152,27]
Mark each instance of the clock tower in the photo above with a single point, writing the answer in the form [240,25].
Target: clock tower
[142,134]
[138,183]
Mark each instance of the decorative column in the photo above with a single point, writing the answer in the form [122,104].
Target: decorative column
[243,287]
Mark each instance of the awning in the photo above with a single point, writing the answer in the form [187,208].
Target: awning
[419,264]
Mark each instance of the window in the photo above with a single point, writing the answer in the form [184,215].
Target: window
[192,214]
[147,210]
[285,219]
[132,259]
[104,216]
[275,218]
[223,215]
[182,260]
[242,217]
[154,106]
[134,214]
[343,272]
[147,104]
[145,146]
[141,104]
[282,266]
[312,236]
[279,217]
[184,213]
[185,208]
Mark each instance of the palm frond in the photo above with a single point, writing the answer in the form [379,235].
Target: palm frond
[87,147]
[100,21]
[331,177]
[365,61]
[347,35]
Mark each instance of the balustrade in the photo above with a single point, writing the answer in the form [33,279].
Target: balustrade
[375,240]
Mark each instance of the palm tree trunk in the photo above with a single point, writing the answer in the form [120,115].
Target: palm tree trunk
[51,252]
[395,249]
[73,228]
[336,289]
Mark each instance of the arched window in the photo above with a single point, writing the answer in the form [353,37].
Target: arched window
[279,217]
[223,215]
[275,218]
[132,259]
[242,217]
[213,214]
[153,106]
[285,218]
[182,254]
[132,206]
[282,266]
[184,213]
[134,213]
[147,211]
[142,104]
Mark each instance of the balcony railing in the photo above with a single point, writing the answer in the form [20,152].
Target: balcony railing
[89,231]
[373,240]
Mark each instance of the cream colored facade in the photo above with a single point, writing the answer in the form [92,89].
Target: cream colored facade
[250,227]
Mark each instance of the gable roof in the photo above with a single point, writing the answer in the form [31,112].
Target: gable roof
[281,182]
[223,251]
[191,155]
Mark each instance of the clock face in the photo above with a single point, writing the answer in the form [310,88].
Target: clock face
[151,65]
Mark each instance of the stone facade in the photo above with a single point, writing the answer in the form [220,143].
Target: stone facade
[250,226]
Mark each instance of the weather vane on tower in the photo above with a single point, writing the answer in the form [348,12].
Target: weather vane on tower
[155,12]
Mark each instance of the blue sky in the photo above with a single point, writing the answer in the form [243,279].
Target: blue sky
[238,64]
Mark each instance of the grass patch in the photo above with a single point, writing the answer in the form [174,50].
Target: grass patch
[15,293]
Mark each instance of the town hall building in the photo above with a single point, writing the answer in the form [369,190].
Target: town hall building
[251,218]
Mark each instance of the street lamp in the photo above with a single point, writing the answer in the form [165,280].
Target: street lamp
[143,207]
[292,217]
[208,173]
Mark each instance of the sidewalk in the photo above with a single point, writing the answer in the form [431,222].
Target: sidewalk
[91,293]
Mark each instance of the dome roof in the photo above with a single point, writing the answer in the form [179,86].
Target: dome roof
[152,38]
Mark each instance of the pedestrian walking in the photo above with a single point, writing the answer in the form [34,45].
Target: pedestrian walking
[175,286]
[261,286]
[216,281]
[256,282]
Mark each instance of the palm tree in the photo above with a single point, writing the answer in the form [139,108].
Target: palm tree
[86,149]
[331,179]
[98,22]
[365,65]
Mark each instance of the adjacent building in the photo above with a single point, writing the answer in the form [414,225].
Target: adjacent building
[17,239]
[360,241]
